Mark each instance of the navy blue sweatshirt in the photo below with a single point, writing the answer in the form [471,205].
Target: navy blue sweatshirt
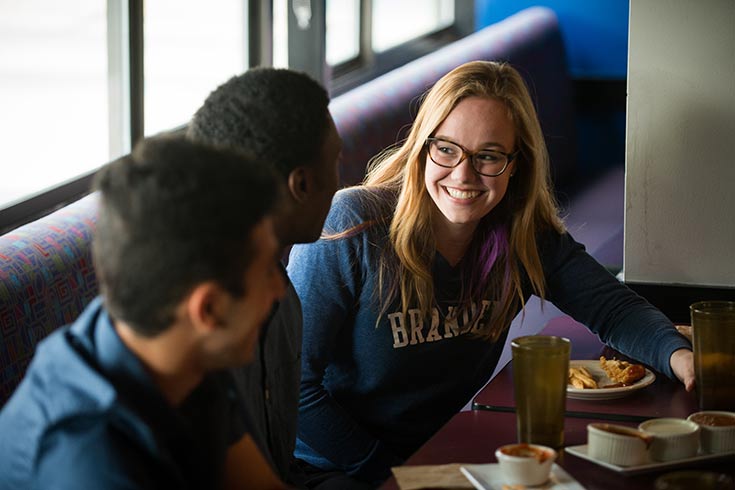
[372,393]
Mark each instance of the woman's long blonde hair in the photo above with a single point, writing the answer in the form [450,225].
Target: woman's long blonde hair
[504,244]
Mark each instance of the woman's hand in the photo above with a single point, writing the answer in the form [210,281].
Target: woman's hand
[682,363]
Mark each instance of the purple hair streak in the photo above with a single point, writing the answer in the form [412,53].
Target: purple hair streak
[492,248]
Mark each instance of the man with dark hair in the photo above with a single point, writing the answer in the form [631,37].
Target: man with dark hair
[282,117]
[133,394]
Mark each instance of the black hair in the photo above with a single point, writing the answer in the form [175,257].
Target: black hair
[168,221]
[279,115]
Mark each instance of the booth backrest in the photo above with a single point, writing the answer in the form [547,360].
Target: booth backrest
[46,272]
[46,280]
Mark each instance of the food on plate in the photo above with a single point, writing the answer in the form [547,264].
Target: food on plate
[581,378]
[622,372]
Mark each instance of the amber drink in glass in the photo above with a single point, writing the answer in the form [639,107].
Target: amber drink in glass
[713,335]
[540,370]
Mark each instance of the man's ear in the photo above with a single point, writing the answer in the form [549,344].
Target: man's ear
[299,184]
[205,306]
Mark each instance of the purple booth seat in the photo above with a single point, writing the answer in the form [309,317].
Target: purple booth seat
[594,216]
[46,280]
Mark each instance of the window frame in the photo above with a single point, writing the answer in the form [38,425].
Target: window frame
[304,43]
[369,64]
[126,71]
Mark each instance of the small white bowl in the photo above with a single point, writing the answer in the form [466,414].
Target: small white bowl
[718,430]
[672,438]
[617,444]
[525,464]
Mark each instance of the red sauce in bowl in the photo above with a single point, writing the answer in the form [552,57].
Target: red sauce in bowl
[525,451]
[713,419]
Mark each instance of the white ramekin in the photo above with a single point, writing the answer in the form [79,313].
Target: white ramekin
[525,470]
[617,444]
[715,438]
[672,438]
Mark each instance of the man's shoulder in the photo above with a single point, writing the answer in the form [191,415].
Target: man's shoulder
[80,450]
[60,381]
[59,386]
[46,415]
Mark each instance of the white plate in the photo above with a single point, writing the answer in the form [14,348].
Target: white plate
[581,451]
[605,393]
[489,477]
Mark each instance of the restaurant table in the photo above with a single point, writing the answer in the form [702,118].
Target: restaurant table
[471,437]
[664,398]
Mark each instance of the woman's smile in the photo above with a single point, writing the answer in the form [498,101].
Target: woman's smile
[462,194]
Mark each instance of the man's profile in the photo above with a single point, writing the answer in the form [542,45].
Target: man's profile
[282,117]
[132,394]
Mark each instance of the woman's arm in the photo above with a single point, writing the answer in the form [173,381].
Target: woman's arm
[584,289]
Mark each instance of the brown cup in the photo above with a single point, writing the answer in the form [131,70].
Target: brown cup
[713,335]
[540,370]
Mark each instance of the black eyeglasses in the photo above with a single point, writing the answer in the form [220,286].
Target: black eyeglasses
[489,163]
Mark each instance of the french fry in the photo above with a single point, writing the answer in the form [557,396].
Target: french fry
[576,383]
[581,378]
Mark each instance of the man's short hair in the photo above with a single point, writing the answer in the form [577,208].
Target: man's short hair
[173,214]
[279,115]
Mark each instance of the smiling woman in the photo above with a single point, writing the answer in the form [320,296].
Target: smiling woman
[423,269]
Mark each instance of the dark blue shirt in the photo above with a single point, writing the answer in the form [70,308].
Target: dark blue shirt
[88,415]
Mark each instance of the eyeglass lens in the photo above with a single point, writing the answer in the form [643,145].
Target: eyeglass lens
[448,154]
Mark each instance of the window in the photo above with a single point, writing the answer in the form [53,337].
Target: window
[391,26]
[343,30]
[53,93]
[362,39]
[70,94]
[191,47]
[280,33]
[365,38]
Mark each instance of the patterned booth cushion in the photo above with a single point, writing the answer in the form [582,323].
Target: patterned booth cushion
[379,113]
[46,279]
